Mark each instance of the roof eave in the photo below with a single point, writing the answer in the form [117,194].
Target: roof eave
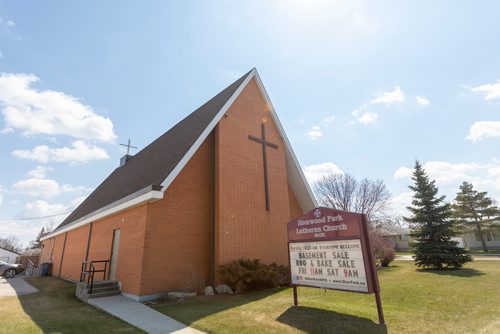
[148,194]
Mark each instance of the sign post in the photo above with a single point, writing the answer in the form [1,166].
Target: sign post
[330,249]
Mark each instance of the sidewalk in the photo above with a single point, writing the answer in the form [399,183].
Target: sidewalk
[16,286]
[140,315]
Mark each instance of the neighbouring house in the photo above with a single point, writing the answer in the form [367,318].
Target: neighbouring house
[472,239]
[397,237]
[219,185]
[8,255]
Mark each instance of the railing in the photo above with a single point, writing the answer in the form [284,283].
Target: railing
[89,270]
[29,268]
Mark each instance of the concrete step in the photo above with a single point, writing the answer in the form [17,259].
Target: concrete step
[103,294]
[97,289]
[102,284]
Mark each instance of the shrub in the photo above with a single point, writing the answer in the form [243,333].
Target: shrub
[383,252]
[248,275]
[386,255]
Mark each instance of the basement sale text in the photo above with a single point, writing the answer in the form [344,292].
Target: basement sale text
[334,264]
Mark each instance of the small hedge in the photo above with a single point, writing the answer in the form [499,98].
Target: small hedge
[245,275]
[384,253]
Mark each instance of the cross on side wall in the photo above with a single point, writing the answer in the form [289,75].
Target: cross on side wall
[264,158]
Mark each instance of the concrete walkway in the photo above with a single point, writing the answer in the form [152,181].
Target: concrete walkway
[141,316]
[16,286]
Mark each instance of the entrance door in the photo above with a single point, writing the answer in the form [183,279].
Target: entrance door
[114,254]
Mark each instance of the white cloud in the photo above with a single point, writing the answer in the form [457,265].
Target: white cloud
[491,91]
[77,201]
[423,101]
[368,118]
[37,187]
[41,187]
[442,171]
[27,230]
[484,129]
[81,152]
[6,24]
[1,55]
[446,172]
[391,97]
[314,172]
[400,202]
[403,172]
[326,121]
[365,118]
[449,176]
[49,112]
[42,208]
[314,133]
[39,172]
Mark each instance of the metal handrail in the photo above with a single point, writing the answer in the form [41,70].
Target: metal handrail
[89,274]
[29,268]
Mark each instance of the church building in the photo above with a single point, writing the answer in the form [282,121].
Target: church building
[219,185]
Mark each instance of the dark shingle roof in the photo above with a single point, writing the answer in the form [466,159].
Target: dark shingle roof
[155,162]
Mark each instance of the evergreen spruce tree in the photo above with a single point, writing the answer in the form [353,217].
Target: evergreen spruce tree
[37,243]
[432,226]
[475,211]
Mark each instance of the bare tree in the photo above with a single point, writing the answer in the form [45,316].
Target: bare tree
[345,192]
[11,243]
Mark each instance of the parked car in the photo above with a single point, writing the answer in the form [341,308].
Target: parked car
[9,270]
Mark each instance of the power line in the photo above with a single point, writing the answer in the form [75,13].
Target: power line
[34,218]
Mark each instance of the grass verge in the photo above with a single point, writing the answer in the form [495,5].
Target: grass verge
[415,301]
[55,309]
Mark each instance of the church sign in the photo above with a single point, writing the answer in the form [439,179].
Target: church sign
[330,249]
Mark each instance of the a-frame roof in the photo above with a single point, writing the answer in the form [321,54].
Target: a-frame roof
[157,165]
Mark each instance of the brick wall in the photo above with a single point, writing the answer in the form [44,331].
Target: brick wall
[244,227]
[74,253]
[177,247]
[132,224]
[166,245]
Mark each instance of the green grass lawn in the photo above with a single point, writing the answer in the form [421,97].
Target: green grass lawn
[55,309]
[415,301]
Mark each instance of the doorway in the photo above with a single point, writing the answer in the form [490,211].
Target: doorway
[114,254]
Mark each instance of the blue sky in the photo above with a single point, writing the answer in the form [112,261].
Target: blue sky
[360,86]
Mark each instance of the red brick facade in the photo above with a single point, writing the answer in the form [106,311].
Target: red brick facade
[213,212]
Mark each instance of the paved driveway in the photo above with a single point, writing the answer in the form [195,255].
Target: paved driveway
[15,287]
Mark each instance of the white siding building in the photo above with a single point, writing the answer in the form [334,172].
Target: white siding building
[8,255]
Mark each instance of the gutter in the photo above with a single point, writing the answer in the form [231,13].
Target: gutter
[148,194]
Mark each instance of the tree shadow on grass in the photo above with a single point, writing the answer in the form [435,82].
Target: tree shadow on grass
[465,272]
[55,309]
[204,306]
[314,320]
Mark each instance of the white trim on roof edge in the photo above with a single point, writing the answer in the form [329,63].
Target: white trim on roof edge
[117,207]
[299,186]
[297,180]
[173,174]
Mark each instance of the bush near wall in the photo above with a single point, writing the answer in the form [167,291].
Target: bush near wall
[384,253]
[245,275]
